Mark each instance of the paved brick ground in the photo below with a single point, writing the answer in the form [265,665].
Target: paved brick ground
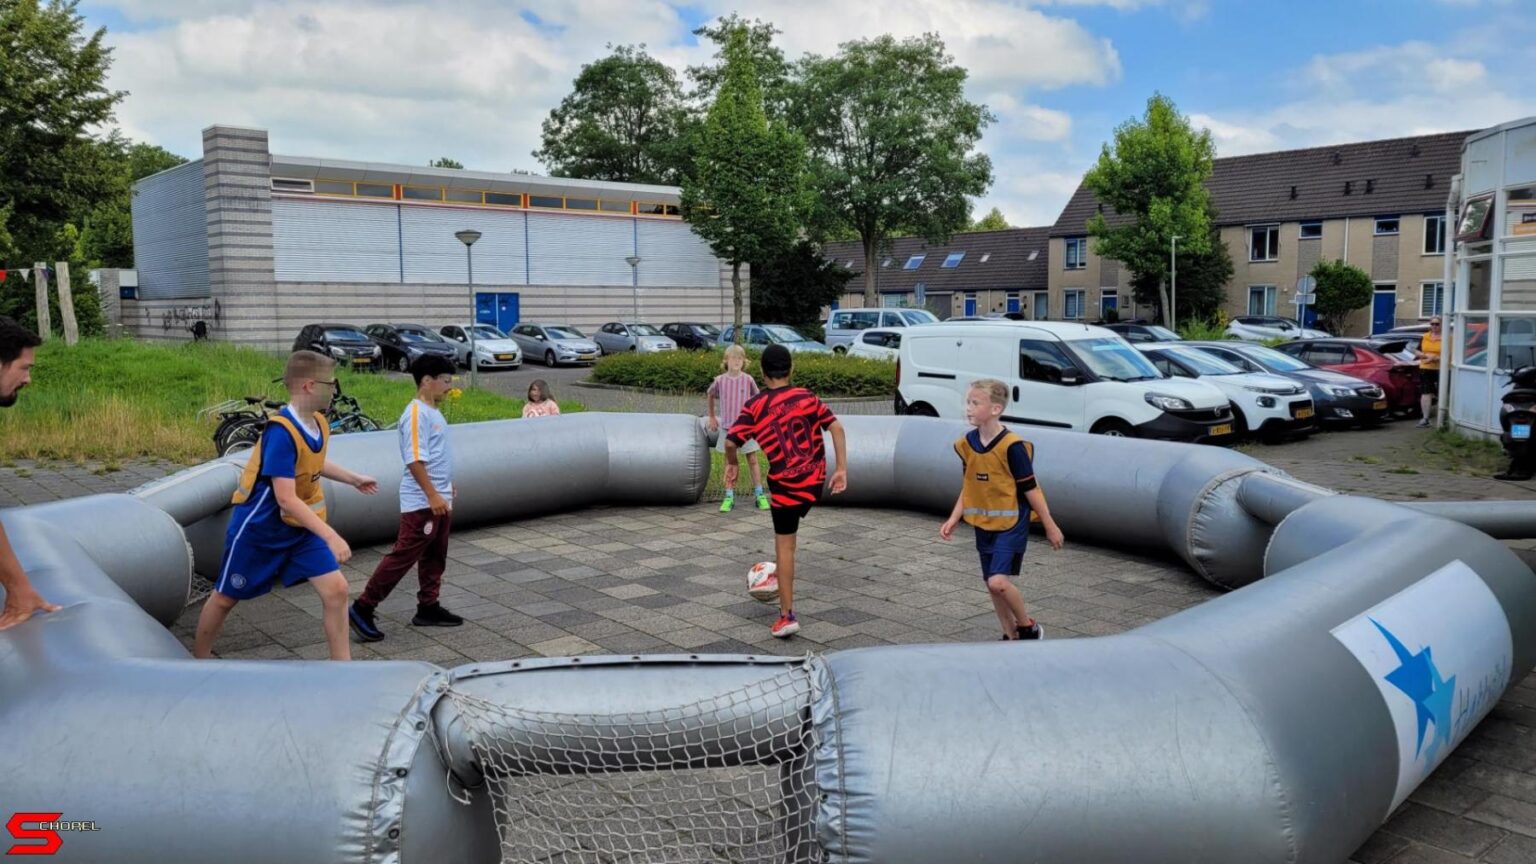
[664,579]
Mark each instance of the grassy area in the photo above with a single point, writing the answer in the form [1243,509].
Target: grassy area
[1451,451]
[109,400]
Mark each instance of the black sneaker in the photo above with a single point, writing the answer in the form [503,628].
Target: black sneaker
[1033,631]
[363,625]
[435,616]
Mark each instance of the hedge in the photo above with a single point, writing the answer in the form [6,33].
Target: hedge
[691,371]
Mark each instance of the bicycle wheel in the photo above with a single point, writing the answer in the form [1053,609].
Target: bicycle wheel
[238,434]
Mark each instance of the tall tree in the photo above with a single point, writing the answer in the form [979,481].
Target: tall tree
[1202,281]
[620,122]
[794,284]
[746,193]
[993,221]
[53,93]
[1154,174]
[446,162]
[892,142]
[775,75]
[106,232]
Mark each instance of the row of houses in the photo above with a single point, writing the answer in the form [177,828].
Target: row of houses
[1379,205]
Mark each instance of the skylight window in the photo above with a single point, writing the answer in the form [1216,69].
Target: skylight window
[953,260]
[914,262]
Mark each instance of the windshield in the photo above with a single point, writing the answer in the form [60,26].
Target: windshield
[419,336]
[1113,359]
[915,317]
[707,329]
[346,336]
[564,333]
[782,334]
[1200,362]
[1274,360]
[486,331]
[1163,334]
[644,330]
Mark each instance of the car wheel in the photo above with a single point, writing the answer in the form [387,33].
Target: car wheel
[633,347]
[402,363]
[1113,428]
[840,350]
[549,359]
[922,409]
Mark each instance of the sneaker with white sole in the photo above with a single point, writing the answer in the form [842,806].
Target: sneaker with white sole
[1033,631]
[785,627]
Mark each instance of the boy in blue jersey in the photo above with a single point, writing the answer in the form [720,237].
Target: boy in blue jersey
[277,531]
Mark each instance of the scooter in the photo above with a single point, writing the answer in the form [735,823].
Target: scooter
[1517,415]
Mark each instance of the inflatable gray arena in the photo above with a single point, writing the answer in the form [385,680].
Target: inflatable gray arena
[1280,722]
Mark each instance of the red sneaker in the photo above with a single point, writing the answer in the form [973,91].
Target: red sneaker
[785,627]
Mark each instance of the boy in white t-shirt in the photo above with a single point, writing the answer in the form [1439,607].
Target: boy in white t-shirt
[426,507]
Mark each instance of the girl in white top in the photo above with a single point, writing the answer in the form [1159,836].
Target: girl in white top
[729,391]
[541,403]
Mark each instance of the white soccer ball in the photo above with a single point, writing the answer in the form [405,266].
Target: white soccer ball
[763,581]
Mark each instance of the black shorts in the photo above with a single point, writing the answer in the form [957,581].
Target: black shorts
[786,520]
[1429,381]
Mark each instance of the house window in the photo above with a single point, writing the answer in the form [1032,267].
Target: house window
[421,193]
[581,203]
[914,262]
[333,187]
[1264,243]
[1311,231]
[1386,225]
[1077,253]
[953,260]
[650,209]
[1432,299]
[1073,305]
[608,206]
[1261,299]
[1434,234]
[468,196]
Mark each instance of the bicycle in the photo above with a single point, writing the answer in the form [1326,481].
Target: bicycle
[241,421]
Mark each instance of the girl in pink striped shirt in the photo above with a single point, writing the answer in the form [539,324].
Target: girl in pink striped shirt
[730,391]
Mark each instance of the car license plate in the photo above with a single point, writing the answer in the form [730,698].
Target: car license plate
[362,361]
[587,356]
[1223,429]
[1303,413]
[1520,430]
[1379,406]
[503,356]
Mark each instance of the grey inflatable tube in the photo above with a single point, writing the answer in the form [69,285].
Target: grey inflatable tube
[1250,728]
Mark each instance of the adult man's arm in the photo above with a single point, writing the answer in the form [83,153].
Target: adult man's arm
[21,600]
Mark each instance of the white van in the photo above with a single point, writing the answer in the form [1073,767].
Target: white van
[1065,376]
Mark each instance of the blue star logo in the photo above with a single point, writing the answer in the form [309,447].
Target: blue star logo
[1420,681]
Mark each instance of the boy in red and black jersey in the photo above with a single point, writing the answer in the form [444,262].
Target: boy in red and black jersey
[787,423]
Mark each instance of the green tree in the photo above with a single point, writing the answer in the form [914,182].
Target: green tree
[446,162]
[775,75]
[620,122]
[793,285]
[1202,281]
[52,95]
[746,192]
[1341,289]
[106,233]
[892,142]
[993,221]
[1153,175]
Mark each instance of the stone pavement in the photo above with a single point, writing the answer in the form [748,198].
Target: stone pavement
[668,579]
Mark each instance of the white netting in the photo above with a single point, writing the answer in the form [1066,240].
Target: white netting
[725,779]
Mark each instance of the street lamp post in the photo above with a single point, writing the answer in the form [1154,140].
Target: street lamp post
[634,284]
[468,237]
[1173,282]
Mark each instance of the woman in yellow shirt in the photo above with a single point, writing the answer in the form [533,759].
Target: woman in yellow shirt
[1428,353]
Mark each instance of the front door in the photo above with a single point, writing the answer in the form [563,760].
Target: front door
[1383,310]
[970,305]
[1109,302]
[1013,302]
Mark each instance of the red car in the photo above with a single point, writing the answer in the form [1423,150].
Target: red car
[1380,362]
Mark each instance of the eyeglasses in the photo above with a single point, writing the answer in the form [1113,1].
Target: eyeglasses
[331,383]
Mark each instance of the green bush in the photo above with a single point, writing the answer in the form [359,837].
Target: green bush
[1203,331]
[826,375]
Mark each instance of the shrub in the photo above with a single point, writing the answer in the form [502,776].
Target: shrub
[1341,289]
[1203,331]
[691,371]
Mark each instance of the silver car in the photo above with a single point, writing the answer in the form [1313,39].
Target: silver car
[553,344]
[495,349]
[759,336]
[616,337]
[845,325]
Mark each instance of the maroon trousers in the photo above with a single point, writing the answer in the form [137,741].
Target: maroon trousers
[423,540]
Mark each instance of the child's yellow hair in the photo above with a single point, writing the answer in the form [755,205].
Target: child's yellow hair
[735,351]
[996,390]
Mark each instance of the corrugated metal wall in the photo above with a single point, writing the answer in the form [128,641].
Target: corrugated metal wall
[579,250]
[672,255]
[170,234]
[326,241]
[434,255]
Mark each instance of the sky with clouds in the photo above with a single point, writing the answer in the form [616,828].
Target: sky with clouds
[410,80]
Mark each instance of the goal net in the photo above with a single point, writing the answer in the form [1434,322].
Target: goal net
[724,779]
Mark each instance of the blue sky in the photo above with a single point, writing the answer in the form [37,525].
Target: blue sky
[409,80]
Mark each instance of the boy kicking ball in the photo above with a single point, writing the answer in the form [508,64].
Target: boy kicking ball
[998,493]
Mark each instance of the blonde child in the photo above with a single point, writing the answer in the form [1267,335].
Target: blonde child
[996,497]
[729,392]
[541,403]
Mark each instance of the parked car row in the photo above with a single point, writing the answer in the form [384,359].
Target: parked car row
[1094,379]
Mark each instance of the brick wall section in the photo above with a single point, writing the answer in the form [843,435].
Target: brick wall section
[237,185]
[1384,259]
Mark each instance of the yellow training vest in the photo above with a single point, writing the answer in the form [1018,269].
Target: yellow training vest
[990,495]
[306,475]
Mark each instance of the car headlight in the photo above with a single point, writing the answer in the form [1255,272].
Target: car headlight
[337,352]
[1164,402]
[377,351]
[1341,391]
